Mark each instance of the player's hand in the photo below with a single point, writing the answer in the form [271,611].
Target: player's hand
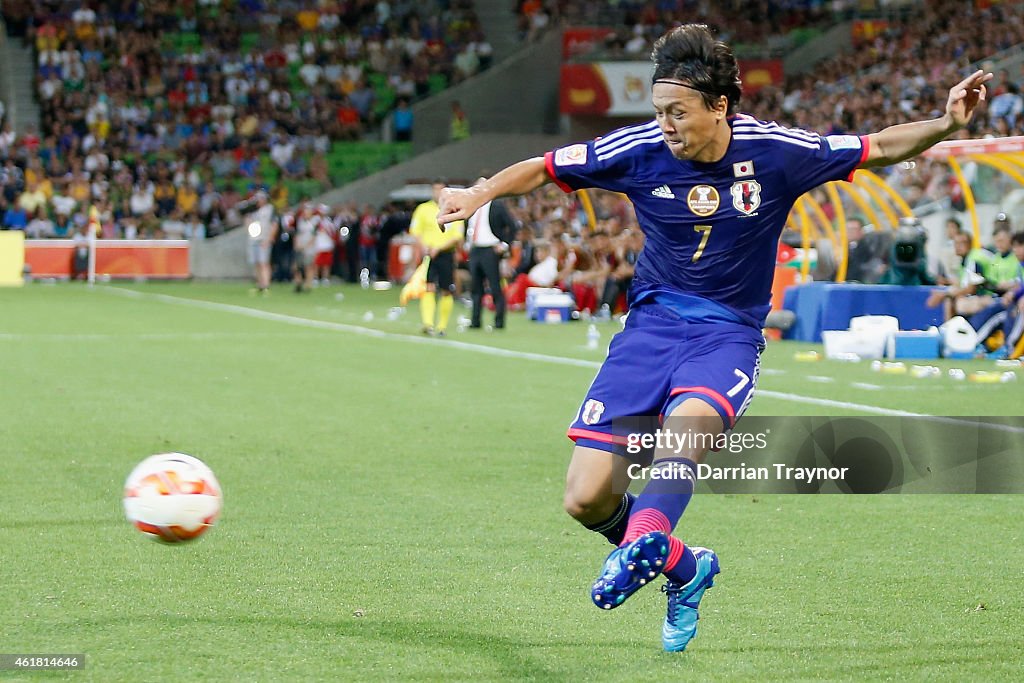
[965,97]
[456,205]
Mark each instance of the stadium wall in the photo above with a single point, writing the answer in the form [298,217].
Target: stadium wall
[17,83]
[221,257]
[6,88]
[518,95]
[834,41]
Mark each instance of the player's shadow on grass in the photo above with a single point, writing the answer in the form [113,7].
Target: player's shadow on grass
[510,655]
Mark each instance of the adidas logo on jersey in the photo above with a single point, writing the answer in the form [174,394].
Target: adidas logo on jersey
[664,192]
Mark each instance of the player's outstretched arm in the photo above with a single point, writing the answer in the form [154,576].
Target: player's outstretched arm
[520,178]
[906,140]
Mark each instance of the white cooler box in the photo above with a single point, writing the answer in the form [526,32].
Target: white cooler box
[553,308]
[867,337]
[958,338]
[531,299]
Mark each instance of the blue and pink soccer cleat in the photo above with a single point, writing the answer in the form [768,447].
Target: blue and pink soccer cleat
[628,568]
[681,621]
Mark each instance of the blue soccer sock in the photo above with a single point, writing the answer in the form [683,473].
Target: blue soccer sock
[614,528]
[663,500]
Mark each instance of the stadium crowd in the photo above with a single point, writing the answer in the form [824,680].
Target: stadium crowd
[166,114]
[745,24]
[898,74]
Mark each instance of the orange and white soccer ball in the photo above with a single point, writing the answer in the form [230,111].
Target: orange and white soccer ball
[172,497]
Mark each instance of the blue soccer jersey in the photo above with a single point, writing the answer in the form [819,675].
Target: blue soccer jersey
[712,229]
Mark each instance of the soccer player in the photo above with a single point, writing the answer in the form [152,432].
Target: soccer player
[439,246]
[711,189]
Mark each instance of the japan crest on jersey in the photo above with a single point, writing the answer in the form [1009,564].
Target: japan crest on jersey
[592,411]
[746,196]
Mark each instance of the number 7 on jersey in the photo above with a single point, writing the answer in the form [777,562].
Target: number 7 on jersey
[706,229]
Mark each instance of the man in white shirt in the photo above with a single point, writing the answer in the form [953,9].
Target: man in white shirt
[489,230]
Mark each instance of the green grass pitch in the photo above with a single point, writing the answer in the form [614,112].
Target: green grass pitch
[393,508]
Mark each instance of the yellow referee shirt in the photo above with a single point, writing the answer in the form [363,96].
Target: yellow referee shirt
[423,226]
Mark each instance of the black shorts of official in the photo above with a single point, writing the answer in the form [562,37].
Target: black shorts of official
[441,271]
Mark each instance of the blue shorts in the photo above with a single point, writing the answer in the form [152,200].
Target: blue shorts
[988,320]
[659,360]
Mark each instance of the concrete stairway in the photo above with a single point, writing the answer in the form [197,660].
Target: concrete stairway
[19,91]
[499,20]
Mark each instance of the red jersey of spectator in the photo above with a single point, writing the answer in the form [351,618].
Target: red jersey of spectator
[275,59]
[30,141]
[177,97]
[531,7]
[368,230]
[348,115]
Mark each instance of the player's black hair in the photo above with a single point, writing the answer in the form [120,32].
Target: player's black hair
[689,53]
[1018,237]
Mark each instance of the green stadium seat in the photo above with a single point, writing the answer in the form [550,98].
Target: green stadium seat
[348,161]
[188,42]
[437,83]
[249,42]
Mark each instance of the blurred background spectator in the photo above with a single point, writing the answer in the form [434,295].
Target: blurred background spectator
[139,100]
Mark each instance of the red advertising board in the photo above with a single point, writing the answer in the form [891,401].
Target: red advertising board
[757,73]
[166,259]
[584,90]
[579,40]
[624,88]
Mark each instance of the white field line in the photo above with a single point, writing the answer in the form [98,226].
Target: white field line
[147,336]
[507,353]
[353,329]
